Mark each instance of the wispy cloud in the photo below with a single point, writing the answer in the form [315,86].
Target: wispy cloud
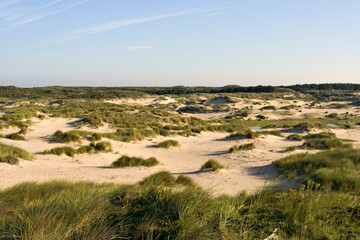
[134,48]
[99,28]
[19,12]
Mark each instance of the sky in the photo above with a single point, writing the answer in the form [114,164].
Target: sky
[178,42]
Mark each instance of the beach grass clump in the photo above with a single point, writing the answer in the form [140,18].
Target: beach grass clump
[85,149]
[103,146]
[15,136]
[233,149]
[211,165]
[337,169]
[290,149]
[95,137]
[273,132]
[244,134]
[126,161]
[295,136]
[61,137]
[159,206]
[249,146]
[325,143]
[10,154]
[169,144]
[68,151]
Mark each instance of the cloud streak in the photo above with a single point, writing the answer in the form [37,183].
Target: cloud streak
[134,48]
[99,28]
[25,14]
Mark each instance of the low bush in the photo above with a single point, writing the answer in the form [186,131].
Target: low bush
[290,149]
[337,169]
[325,143]
[233,149]
[69,151]
[211,164]
[15,136]
[10,154]
[295,136]
[169,144]
[250,146]
[103,146]
[125,161]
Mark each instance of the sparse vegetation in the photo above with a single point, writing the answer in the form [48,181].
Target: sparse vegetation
[126,161]
[169,144]
[249,146]
[212,165]
[335,169]
[10,154]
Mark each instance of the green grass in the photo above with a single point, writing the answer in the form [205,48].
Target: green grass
[295,137]
[212,165]
[290,149]
[169,144]
[325,143]
[249,146]
[10,154]
[161,208]
[15,136]
[68,151]
[336,169]
[126,161]
[103,146]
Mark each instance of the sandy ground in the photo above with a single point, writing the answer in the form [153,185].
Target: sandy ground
[245,170]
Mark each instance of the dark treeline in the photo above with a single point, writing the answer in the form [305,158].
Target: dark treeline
[118,92]
[325,86]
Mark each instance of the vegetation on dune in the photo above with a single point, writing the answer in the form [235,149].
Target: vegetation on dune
[10,154]
[212,165]
[335,169]
[169,144]
[92,148]
[126,161]
[249,146]
[162,207]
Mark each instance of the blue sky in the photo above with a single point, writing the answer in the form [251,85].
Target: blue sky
[178,42]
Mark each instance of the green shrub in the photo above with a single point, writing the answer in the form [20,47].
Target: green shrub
[268,108]
[168,144]
[85,149]
[290,149]
[103,146]
[67,137]
[211,164]
[10,154]
[320,135]
[274,133]
[125,161]
[233,149]
[325,143]
[337,169]
[69,151]
[15,136]
[295,136]
[250,146]
[95,137]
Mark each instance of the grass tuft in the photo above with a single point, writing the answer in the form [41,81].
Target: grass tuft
[169,144]
[125,161]
[212,165]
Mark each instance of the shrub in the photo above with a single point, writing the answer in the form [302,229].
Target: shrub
[336,169]
[290,149]
[168,144]
[95,137]
[249,146]
[211,164]
[268,108]
[67,137]
[296,137]
[85,149]
[233,149]
[10,154]
[274,133]
[103,146]
[324,143]
[125,161]
[69,151]
[320,135]
[15,136]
